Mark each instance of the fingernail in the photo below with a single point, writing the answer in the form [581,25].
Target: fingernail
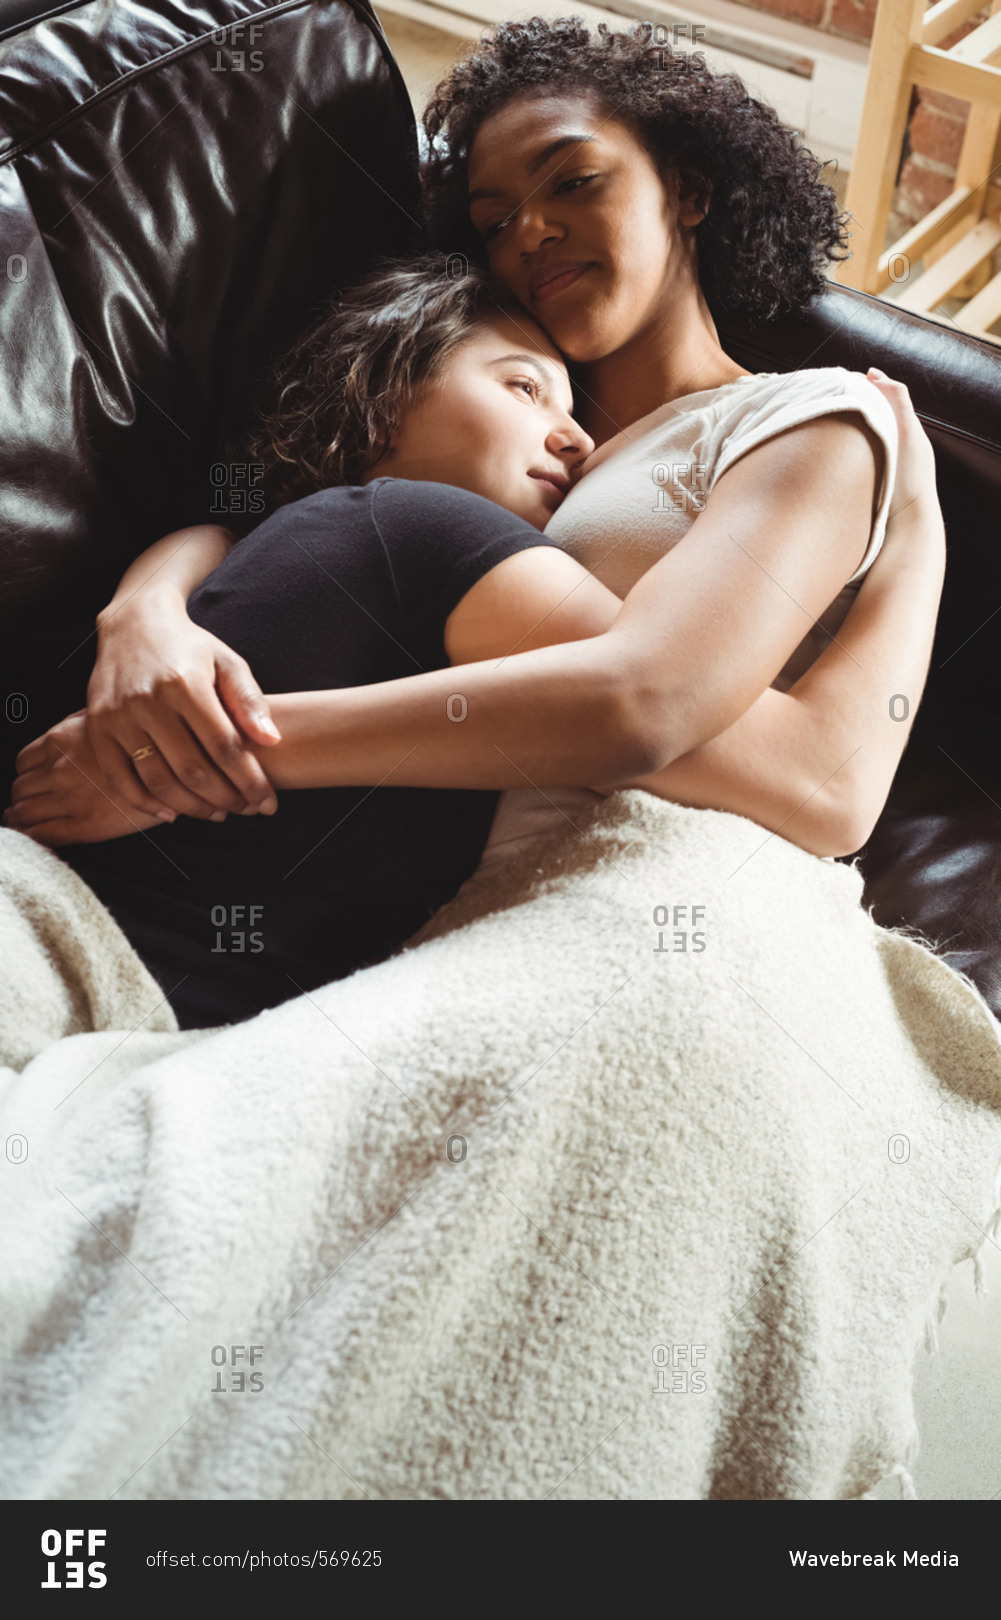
[874,371]
[249,810]
[269,806]
[218,815]
[166,815]
[269,727]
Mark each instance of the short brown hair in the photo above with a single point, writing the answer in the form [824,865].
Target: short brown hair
[335,397]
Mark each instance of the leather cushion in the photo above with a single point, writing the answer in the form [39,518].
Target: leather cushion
[177,195]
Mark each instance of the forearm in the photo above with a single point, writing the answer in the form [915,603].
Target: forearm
[817,763]
[560,716]
[700,636]
[557,716]
[167,572]
[869,683]
[770,766]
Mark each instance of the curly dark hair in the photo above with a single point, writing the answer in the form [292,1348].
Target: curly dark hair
[332,400]
[772,224]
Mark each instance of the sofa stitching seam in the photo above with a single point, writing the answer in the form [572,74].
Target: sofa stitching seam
[135,74]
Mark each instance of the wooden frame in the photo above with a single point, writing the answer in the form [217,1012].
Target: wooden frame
[957,239]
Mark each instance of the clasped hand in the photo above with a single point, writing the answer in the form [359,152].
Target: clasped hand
[170,691]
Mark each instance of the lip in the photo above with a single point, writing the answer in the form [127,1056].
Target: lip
[551,485]
[549,279]
[556,482]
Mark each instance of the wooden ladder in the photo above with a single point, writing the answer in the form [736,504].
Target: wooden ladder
[957,239]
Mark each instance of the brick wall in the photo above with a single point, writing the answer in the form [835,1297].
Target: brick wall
[937,123]
[853,19]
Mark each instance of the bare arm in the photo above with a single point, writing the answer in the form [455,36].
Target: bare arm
[698,639]
[178,562]
[817,763]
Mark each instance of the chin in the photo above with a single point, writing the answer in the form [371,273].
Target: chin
[582,339]
[580,345]
[587,336]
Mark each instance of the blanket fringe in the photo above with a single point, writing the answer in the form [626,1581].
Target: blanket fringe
[979,1287]
[907,1491]
[931,1325]
[992,1230]
[990,1234]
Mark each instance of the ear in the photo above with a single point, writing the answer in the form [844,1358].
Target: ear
[384,447]
[694,195]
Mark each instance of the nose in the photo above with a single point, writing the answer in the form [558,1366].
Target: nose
[529,228]
[570,443]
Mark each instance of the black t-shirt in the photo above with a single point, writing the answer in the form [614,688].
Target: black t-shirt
[349,586]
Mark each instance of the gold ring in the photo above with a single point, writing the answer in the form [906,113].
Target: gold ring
[145,751]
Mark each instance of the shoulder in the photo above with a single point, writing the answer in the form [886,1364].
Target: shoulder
[807,392]
[417,497]
[830,404]
[426,523]
[785,390]
[406,496]
[338,498]
[324,507]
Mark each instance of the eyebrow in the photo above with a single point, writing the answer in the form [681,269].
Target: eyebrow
[533,166]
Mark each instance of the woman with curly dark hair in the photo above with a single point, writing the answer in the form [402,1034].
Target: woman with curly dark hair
[767,224]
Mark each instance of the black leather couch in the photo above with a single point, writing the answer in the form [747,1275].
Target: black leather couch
[180,185]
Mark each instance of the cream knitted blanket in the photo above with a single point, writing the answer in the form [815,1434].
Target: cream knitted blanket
[564,1201]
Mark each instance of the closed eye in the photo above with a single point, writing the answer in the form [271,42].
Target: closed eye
[490,231]
[575,181]
[570,184]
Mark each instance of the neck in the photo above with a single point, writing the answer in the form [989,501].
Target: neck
[679,353]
